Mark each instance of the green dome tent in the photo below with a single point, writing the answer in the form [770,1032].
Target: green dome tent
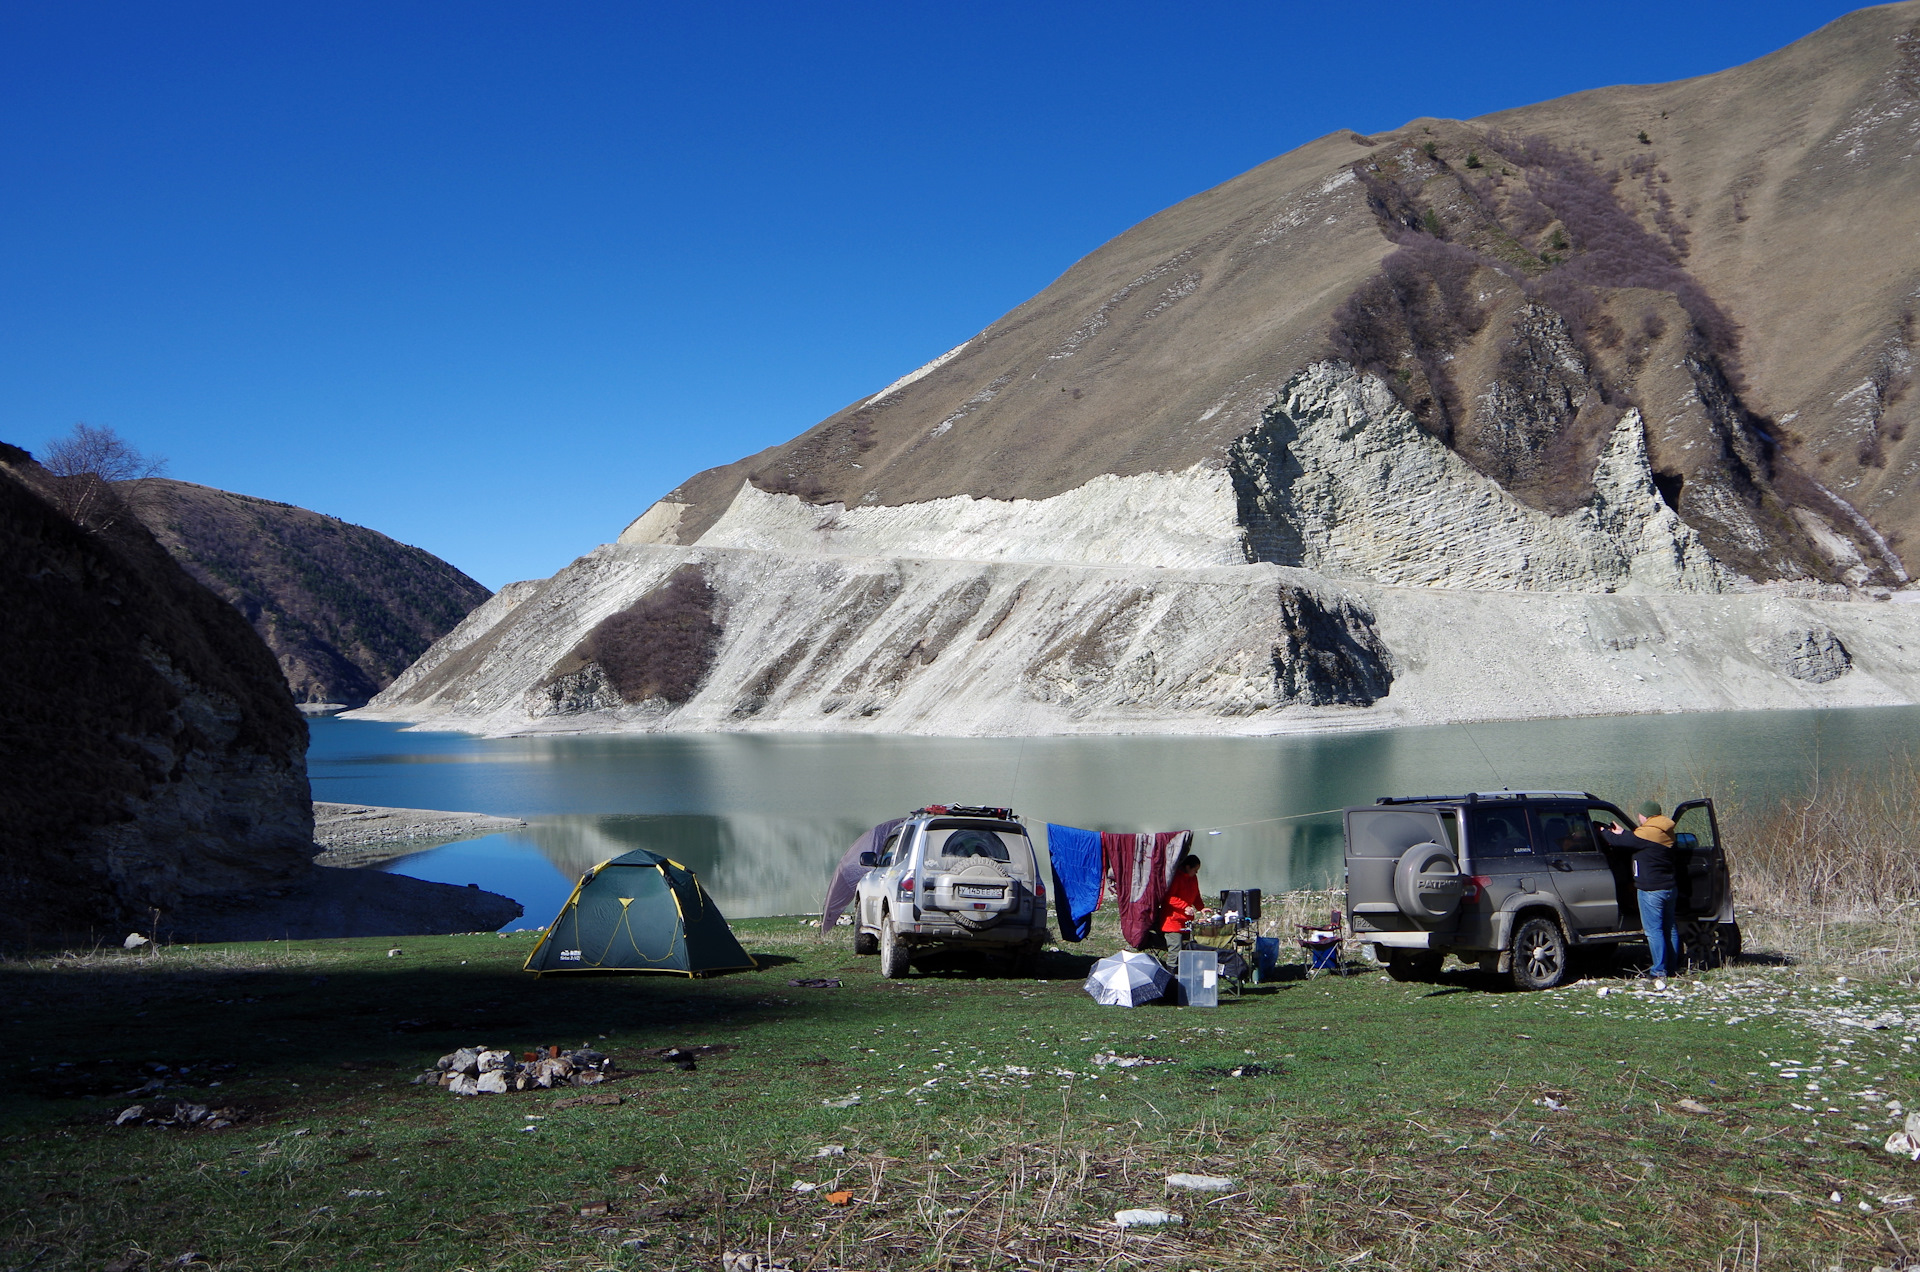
[639,913]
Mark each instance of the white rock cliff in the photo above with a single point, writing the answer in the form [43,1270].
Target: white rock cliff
[1339,568]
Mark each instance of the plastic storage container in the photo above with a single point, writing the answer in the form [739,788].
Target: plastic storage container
[1199,978]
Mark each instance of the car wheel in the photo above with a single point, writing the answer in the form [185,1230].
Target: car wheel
[1539,955]
[1415,965]
[865,942]
[893,951]
[1700,945]
[1729,941]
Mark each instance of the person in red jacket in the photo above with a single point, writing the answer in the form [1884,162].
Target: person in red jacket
[1183,897]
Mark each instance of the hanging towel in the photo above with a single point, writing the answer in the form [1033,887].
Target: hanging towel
[1077,874]
[846,875]
[1142,867]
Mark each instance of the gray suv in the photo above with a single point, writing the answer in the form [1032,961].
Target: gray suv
[951,877]
[1514,880]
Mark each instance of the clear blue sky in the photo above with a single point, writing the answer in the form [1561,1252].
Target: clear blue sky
[492,277]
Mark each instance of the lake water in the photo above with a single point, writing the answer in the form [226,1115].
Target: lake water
[763,817]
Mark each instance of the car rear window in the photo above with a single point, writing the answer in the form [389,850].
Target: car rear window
[1389,833]
[968,841]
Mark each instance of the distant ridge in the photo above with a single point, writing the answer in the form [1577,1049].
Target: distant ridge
[345,609]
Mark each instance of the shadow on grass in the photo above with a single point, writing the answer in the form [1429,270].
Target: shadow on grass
[103,1029]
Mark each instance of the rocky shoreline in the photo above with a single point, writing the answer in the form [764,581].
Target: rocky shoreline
[350,835]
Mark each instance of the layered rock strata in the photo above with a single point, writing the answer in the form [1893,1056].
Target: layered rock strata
[831,643]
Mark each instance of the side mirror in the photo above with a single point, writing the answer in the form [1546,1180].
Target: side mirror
[869,859]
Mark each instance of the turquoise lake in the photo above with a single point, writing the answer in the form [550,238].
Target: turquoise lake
[763,817]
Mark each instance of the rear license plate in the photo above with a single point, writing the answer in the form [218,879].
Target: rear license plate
[990,894]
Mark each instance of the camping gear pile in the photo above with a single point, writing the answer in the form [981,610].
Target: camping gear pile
[480,1071]
[641,912]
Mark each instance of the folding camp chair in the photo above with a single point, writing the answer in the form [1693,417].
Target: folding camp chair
[1322,944]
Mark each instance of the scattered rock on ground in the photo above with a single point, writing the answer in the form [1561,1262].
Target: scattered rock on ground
[1145,1218]
[1199,1183]
[484,1071]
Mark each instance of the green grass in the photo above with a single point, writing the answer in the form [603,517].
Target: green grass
[1398,1126]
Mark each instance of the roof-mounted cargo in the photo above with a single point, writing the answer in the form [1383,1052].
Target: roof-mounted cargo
[965,810]
[1472,797]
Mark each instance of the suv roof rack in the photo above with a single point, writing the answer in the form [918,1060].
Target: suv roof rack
[1472,797]
[966,810]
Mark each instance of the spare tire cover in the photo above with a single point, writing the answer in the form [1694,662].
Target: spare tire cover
[1427,884]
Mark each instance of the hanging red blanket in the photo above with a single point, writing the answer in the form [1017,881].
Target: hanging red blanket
[1142,867]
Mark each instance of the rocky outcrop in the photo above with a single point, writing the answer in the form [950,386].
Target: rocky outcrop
[155,774]
[1805,652]
[1341,479]
[153,752]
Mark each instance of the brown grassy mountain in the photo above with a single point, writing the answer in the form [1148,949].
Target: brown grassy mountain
[149,751]
[1737,255]
[345,609]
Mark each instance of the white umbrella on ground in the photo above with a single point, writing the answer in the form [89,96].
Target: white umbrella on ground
[1127,979]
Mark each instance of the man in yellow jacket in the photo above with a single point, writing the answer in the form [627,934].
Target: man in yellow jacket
[1656,883]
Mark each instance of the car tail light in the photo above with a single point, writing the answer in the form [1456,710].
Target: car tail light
[1475,884]
[1039,892]
[906,886]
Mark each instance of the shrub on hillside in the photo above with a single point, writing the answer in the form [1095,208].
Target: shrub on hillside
[1420,307]
[663,644]
[1612,248]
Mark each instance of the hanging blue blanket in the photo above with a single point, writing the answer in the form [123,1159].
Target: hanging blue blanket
[1076,878]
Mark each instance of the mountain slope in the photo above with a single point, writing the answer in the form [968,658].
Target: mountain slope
[344,609]
[1748,277]
[1618,386]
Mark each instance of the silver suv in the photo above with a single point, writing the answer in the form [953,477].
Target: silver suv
[951,877]
[1512,880]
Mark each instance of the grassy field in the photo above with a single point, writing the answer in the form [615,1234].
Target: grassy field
[1373,1124]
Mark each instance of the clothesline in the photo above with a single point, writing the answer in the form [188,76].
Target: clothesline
[1261,821]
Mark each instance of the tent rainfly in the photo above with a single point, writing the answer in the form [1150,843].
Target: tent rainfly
[639,913]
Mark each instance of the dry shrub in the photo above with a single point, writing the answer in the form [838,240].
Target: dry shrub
[95,473]
[1850,847]
[662,645]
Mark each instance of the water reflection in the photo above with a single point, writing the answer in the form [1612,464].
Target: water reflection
[763,817]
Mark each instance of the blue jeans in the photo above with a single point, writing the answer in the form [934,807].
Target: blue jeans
[1659,919]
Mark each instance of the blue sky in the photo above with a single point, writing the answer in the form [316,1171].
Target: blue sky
[492,277]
